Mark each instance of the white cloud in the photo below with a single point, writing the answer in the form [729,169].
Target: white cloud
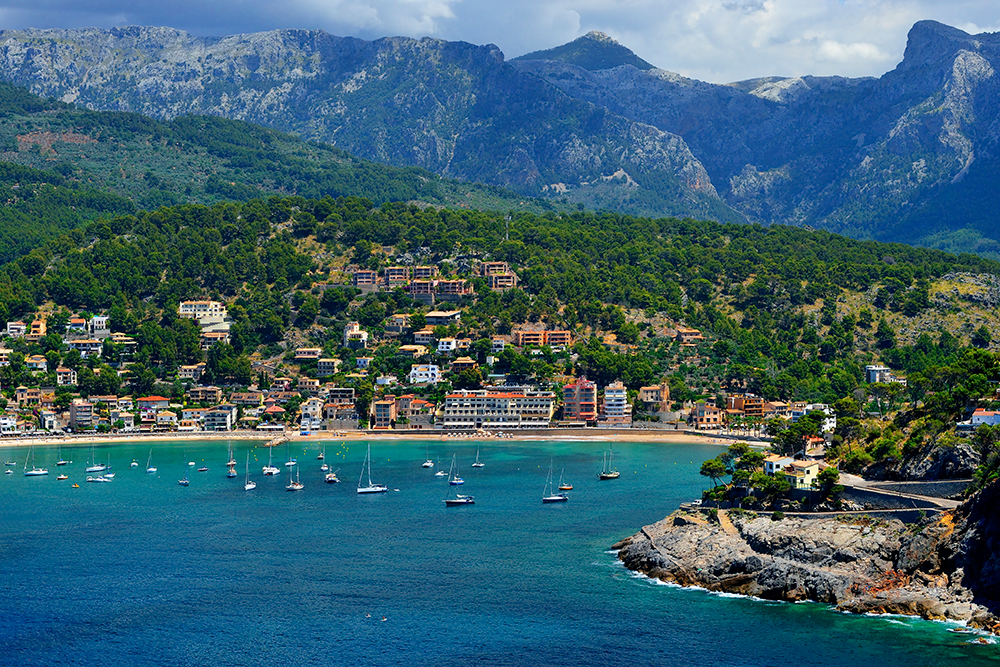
[713,40]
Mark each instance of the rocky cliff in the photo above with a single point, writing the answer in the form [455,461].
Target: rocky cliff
[946,568]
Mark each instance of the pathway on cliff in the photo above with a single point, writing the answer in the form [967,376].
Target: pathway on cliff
[727,525]
[853,481]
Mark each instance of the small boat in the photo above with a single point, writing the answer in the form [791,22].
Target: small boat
[331,477]
[440,473]
[322,454]
[109,475]
[459,499]
[75,486]
[295,485]
[192,464]
[97,479]
[454,479]
[61,461]
[203,469]
[8,471]
[231,473]
[607,470]
[369,488]
[134,464]
[10,463]
[34,472]
[478,463]
[428,463]
[184,481]
[232,460]
[248,485]
[324,468]
[547,495]
[63,477]
[564,486]
[289,460]
[149,468]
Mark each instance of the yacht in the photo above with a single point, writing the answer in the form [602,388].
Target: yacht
[369,488]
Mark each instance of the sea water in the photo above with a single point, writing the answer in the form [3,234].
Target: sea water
[144,571]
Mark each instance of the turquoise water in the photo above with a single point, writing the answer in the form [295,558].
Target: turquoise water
[143,571]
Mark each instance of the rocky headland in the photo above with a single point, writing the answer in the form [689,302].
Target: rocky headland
[943,568]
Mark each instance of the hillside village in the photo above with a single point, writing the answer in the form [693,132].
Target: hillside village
[412,371]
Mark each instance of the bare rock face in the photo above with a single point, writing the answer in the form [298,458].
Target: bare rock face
[942,570]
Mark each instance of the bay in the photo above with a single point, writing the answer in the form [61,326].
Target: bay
[144,571]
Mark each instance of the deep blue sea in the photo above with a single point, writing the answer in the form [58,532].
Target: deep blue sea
[143,571]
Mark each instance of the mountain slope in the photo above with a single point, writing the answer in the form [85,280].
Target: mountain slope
[62,166]
[453,108]
[861,156]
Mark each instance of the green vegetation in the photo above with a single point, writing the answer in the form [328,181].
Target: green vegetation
[67,166]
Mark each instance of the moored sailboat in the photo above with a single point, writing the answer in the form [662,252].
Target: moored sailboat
[564,486]
[547,495]
[35,471]
[608,468]
[269,469]
[369,488]
[248,485]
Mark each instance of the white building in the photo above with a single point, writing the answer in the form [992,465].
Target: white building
[491,409]
[355,337]
[616,411]
[829,424]
[424,374]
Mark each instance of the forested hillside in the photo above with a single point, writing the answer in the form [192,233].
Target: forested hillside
[787,313]
[63,166]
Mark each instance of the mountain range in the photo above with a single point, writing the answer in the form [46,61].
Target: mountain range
[910,156]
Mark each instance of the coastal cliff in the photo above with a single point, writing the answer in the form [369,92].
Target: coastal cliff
[946,568]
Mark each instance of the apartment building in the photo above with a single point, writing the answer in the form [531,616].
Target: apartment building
[616,411]
[501,410]
[580,400]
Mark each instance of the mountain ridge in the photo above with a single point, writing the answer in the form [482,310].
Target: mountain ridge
[878,158]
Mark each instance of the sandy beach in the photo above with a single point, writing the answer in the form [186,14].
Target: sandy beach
[595,435]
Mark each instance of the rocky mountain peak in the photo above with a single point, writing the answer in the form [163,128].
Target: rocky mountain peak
[929,43]
[594,51]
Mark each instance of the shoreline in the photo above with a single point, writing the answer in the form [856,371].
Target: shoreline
[622,435]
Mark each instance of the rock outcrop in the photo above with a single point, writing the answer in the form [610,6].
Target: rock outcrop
[943,569]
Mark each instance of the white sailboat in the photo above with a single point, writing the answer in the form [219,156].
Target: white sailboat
[232,459]
[428,462]
[547,495]
[95,467]
[458,499]
[269,469]
[61,461]
[440,473]
[289,461]
[478,463]
[294,485]
[453,478]
[248,485]
[369,488]
[150,468]
[608,469]
[34,472]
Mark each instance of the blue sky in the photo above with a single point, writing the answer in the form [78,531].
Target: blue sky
[712,40]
